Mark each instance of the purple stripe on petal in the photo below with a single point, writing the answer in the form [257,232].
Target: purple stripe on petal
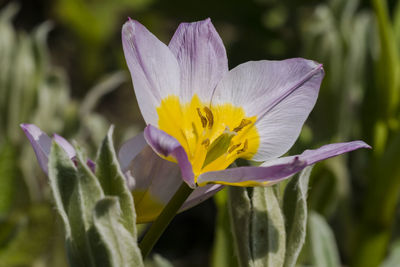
[40,142]
[202,59]
[166,145]
[273,171]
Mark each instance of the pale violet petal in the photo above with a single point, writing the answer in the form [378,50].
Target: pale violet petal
[130,149]
[65,145]
[278,169]
[167,146]
[155,181]
[201,194]
[202,59]
[280,93]
[40,142]
[153,67]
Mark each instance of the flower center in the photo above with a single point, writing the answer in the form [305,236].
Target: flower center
[212,136]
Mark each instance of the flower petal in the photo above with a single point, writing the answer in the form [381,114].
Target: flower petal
[130,149]
[276,170]
[41,144]
[202,59]
[167,146]
[156,180]
[280,93]
[200,194]
[153,67]
[65,145]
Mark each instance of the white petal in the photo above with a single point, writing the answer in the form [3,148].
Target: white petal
[280,93]
[154,69]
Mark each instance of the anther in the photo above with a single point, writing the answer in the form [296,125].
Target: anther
[244,148]
[202,118]
[233,147]
[206,142]
[242,124]
[210,117]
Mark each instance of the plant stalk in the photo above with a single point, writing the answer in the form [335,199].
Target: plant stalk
[163,220]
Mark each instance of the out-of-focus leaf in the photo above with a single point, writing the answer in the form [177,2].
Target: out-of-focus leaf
[121,247]
[388,64]
[30,239]
[107,85]
[295,211]
[258,226]
[324,251]
[160,261]
[21,91]
[113,182]
[393,258]
[223,254]
[8,176]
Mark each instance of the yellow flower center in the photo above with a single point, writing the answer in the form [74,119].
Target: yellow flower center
[212,136]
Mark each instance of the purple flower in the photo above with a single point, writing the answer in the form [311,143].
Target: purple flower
[201,116]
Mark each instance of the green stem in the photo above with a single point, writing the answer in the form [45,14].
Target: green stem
[165,217]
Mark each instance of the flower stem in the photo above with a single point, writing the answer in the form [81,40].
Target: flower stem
[165,217]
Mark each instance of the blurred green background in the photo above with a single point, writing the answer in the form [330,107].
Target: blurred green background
[62,68]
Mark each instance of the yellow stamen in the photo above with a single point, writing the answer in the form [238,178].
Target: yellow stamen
[242,124]
[202,118]
[206,142]
[244,148]
[233,147]
[210,117]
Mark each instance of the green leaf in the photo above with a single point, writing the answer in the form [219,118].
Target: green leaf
[62,178]
[121,247]
[324,251]
[31,237]
[388,65]
[258,226]
[223,239]
[113,182]
[295,211]
[393,258]
[8,177]
[88,192]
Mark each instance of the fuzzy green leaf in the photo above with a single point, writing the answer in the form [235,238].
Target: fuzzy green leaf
[121,247]
[113,182]
[324,251]
[258,226]
[62,178]
[223,239]
[295,211]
